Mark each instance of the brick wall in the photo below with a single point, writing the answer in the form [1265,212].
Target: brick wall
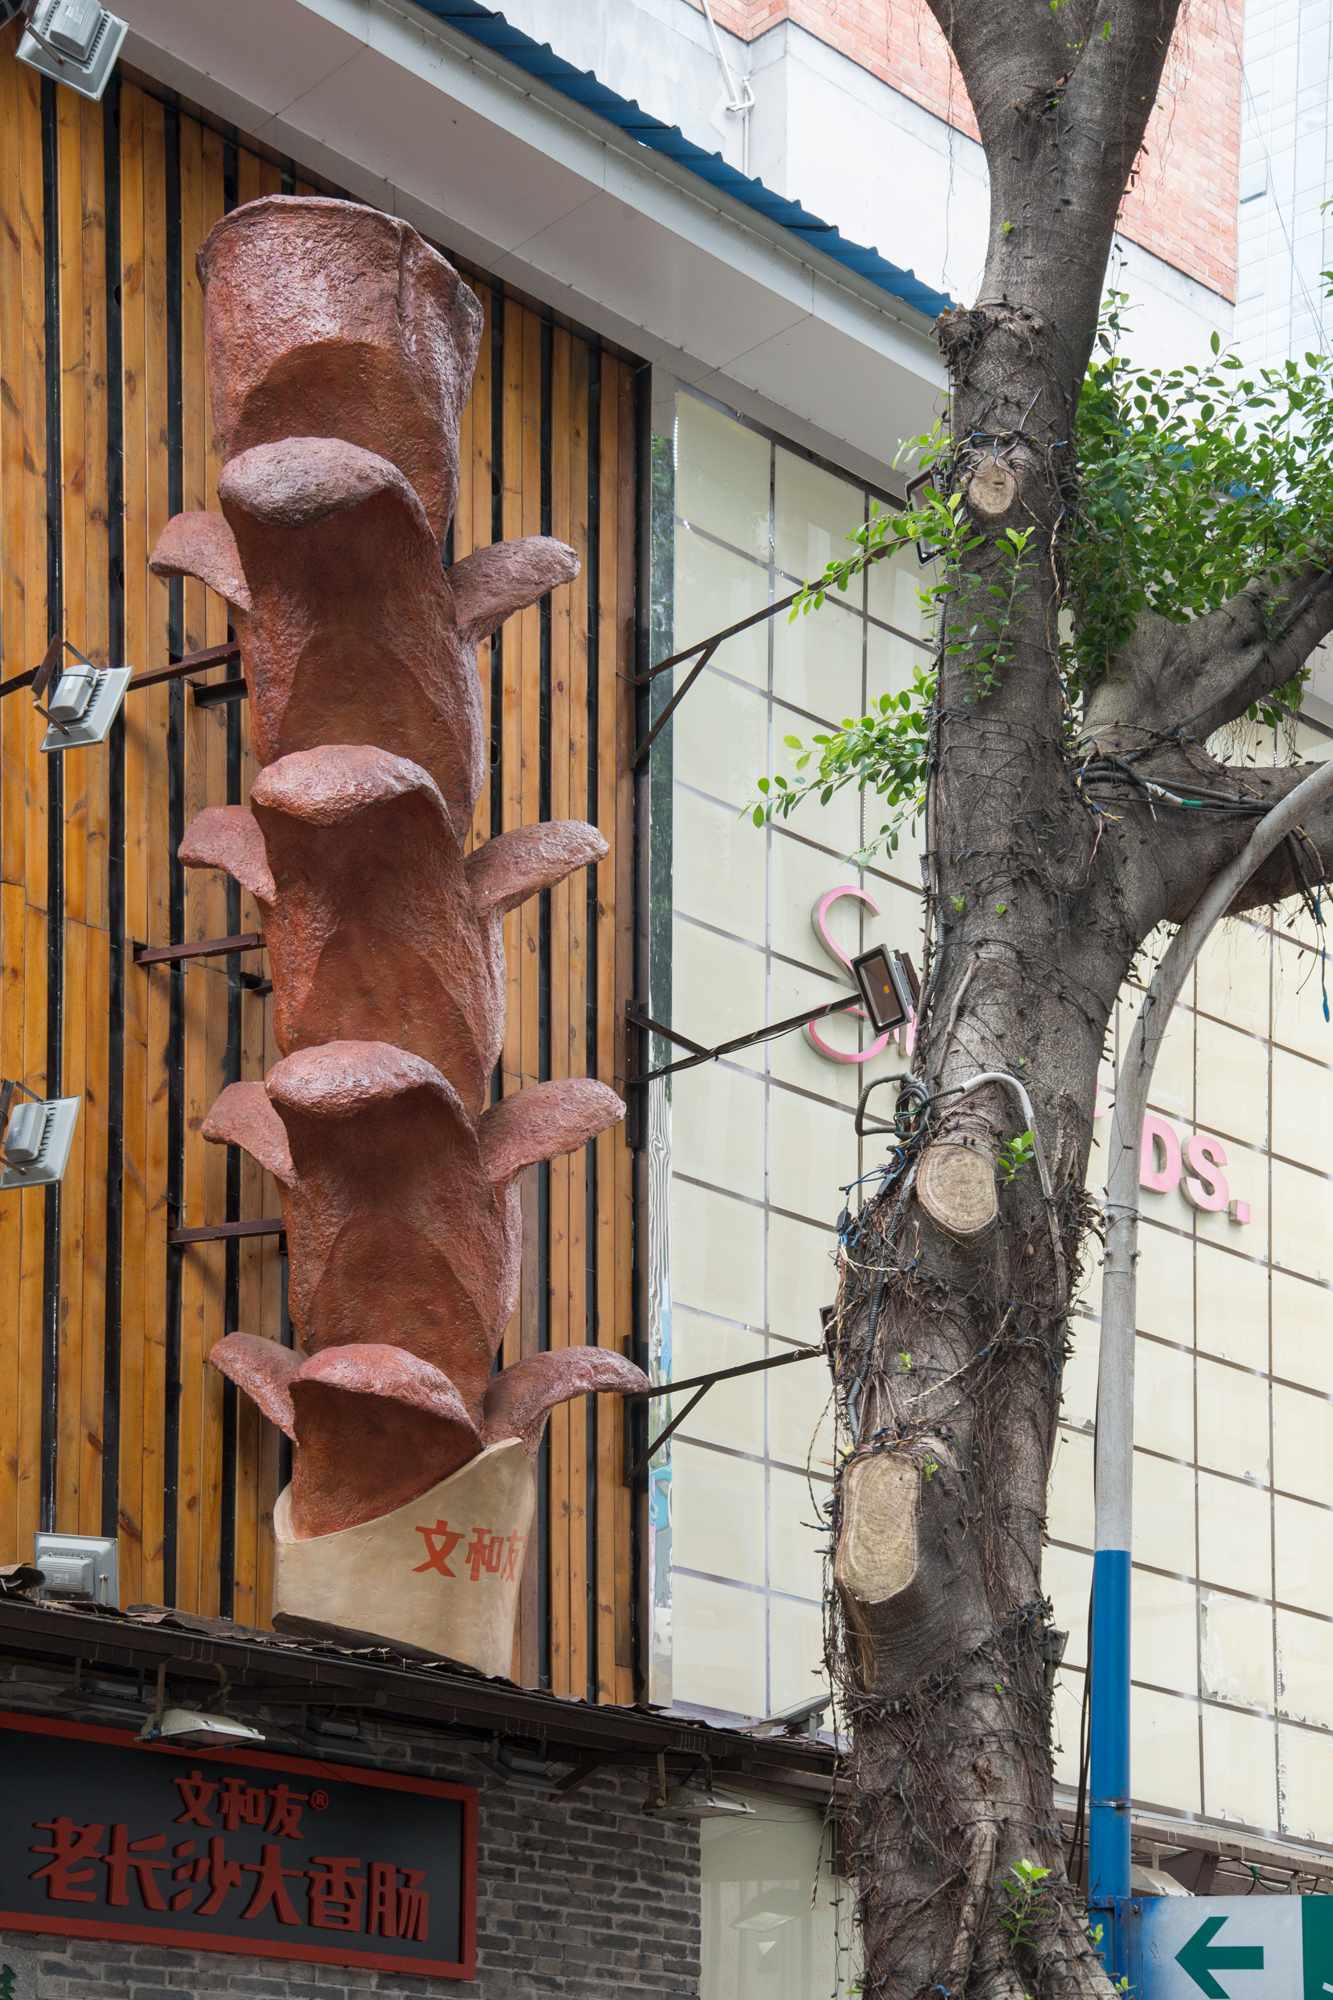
[580,1896]
[1182,206]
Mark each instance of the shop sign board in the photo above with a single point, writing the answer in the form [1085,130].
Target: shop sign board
[234,1850]
[1229,1947]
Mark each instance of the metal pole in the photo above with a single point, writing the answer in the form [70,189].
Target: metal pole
[1108,1816]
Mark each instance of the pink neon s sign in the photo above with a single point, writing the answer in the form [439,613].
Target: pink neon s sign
[819,925]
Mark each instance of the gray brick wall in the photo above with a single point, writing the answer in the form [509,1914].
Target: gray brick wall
[578,1896]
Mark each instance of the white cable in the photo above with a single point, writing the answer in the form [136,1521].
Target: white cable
[740,98]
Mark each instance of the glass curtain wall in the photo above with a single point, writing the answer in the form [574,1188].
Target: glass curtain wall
[1232,1708]
[1233,1519]
[756,1149]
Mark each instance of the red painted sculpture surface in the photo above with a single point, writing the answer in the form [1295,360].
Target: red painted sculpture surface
[340,352]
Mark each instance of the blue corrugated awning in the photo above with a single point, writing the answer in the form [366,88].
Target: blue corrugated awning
[539,60]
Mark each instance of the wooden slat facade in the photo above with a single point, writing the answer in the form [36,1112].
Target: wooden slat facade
[110,1420]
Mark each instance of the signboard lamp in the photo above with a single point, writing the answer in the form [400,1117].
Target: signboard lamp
[887,983]
[85,703]
[74,41]
[35,1138]
[77,1566]
[204,1727]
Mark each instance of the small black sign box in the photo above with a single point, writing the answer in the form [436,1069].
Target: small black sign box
[234,1850]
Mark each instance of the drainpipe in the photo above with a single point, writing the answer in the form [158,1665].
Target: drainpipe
[740,97]
[1108,1817]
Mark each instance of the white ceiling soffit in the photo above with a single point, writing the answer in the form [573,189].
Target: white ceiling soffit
[404,112]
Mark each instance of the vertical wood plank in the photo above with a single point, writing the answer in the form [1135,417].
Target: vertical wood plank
[36,628]
[75,769]
[86,1394]
[561,1170]
[134,338]
[201,1268]
[157,871]
[15,721]
[608,1407]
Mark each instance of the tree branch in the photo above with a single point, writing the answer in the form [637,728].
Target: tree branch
[1196,678]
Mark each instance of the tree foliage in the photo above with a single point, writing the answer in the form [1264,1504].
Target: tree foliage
[1193,481]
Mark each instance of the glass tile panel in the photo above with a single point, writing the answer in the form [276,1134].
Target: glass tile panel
[1307,1784]
[1165,1293]
[717,1127]
[717,1513]
[1066,1578]
[1236,1649]
[1232,1307]
[721,738]
[1233,1420]
[1164,1749]
[717,1645]
[814,513]
[1305,1668]
[722,476]
[795,1651]
[795,1546]
[1232,1082]
[1163,1399]
[1303,1554]
[716,876]
[1302,1221]
[732,1413]
[715,589]
[1235,1535]
[812,1155]
[801,1279]
[1166,1631]
[1232,975]
[1302,1110]
[817,667]
[1239,1767]
[1302,1441]
[717,1253]
[1302,1330]
[1163,1514]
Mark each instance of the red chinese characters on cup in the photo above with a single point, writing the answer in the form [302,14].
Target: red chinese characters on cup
[486,1554]
[332,1893]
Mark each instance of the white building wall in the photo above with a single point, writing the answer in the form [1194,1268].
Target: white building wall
[1286,175]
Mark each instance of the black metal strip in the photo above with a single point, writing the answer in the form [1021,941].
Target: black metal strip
[55,802]
[115,894]
[175,1190]
[231,1282]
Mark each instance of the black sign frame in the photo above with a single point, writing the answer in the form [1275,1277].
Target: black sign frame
[211,1785]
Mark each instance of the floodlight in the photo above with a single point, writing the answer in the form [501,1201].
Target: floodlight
[196,1726]
[887,983]
[77,1566]
[36,1137]
[690,1802]
[85,703]
[73,41]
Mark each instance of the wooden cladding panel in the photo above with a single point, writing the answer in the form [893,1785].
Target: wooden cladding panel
[110,1418]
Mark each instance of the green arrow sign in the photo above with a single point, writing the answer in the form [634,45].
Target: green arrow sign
[1200,1957]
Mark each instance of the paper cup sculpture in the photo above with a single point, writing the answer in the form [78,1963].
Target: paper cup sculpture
[340,354]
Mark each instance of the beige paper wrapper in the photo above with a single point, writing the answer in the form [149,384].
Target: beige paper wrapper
[442,1573]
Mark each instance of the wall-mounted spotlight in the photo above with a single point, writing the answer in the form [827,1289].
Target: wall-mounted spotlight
[74,41]
[85,701]
[887,982]
[78,1567]
[35,1137]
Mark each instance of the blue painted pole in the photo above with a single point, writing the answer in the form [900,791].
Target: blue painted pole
[1108,1815]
